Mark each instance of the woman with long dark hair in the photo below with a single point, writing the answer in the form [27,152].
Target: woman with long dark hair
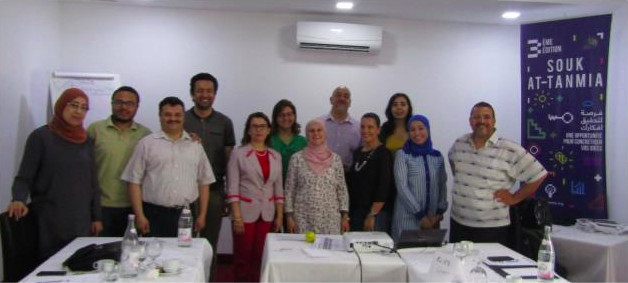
[398,111]
[393,135]
[285,137]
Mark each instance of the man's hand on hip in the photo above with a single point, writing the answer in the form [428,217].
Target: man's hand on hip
[504,196]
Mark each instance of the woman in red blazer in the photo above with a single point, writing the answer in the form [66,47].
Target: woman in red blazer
[255,192]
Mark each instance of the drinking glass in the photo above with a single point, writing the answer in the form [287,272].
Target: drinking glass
[153,249]
[477,274]
[460,251]
[141,248]
[111,274]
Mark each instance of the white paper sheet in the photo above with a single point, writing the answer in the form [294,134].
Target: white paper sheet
[327,243]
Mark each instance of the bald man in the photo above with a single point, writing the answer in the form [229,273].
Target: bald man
[343,131]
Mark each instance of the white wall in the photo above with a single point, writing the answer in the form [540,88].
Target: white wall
[255,59]
[29,48]
[617,126]
[444,67]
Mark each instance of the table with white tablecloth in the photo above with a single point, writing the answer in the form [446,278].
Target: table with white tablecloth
[419,261]
[591,257]
[195,262]
[286,260]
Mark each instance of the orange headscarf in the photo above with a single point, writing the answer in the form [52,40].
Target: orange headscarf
[73,134]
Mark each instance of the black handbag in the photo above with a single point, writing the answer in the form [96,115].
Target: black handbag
[83,259]
[535,213]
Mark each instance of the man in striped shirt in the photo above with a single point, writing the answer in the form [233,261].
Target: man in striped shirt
[168,170]
[485,168]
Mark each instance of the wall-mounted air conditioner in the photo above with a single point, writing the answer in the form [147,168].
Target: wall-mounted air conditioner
[339,36]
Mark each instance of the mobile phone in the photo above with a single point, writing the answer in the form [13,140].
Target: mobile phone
[500,258]
[52,273]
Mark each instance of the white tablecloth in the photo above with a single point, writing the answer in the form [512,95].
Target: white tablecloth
[195,262]
[591,257]
[285,261]
[419,261]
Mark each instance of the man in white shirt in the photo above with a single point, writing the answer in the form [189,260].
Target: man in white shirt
[168,169]
[485,168]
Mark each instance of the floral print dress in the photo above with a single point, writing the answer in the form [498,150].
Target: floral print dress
[316,200]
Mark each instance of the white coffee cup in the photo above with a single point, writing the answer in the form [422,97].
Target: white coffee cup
[104,265]
[171,265]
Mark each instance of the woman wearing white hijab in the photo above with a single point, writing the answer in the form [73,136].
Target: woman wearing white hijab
[315,188]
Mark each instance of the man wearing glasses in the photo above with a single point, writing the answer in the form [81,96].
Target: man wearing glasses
[115,138]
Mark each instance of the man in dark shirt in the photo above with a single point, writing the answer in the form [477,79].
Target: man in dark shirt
[216,133]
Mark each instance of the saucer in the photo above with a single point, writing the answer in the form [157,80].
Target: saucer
[163,272]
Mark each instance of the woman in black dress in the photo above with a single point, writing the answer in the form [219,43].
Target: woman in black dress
[59,175]
[369,178]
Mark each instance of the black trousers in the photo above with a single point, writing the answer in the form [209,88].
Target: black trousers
[357,217]
[163,221]
[115,220]
[459,232]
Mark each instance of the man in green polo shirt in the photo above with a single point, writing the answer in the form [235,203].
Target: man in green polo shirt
[114,139]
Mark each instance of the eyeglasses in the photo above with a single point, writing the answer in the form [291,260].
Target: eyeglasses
[120,103]
[259,126]
[77,106]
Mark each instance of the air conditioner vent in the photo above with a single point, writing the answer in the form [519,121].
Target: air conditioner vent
[334,47]
[339,36]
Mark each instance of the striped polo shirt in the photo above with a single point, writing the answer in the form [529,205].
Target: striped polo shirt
[481,172]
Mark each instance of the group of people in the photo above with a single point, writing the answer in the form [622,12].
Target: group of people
[344,175]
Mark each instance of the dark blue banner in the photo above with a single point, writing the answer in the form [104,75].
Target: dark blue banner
[564,66]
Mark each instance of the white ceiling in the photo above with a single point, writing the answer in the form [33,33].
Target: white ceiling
[475,11]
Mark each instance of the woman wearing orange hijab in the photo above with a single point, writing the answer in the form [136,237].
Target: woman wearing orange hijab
[58,173]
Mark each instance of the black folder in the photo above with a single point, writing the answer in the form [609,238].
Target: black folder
[422,238]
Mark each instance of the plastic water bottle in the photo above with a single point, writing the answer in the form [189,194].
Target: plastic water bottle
[547,257]
[129,258]
[185,227]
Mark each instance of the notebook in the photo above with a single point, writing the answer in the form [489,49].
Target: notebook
[422,238]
